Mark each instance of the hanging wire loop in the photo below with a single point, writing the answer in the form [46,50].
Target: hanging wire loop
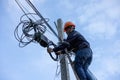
[31,29]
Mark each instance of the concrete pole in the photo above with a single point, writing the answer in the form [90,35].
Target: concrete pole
[63,62]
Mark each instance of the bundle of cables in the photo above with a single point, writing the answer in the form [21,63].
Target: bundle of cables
[32,29]
[27,29]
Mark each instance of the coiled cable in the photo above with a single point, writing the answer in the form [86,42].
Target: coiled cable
[26,29]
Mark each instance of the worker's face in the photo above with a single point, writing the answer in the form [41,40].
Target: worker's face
[68,30]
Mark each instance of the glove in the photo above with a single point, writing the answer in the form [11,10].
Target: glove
[49,50]
[58,52]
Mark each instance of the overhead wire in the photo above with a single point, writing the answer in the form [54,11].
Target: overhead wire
[18,3]
[27,25]
[32,30]
[38,13]
[21,6]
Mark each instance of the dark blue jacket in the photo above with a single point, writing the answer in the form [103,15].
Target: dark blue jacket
[74,41]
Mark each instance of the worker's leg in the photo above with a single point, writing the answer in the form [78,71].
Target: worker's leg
[80,71]
[80,60]
[88,60]
[86,65]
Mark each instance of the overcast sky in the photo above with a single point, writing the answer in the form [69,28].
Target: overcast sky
[97,20]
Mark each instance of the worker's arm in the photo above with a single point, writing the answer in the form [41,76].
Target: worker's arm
[62,46]
[49,50]
[59,48]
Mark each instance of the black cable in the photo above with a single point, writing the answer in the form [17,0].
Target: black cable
[44,20]
[25,30]
[38,13]
[21,8]
[28,31]
[25,10]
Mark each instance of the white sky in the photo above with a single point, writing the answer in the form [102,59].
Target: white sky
[97,20]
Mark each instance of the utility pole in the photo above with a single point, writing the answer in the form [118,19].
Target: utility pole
[63,62]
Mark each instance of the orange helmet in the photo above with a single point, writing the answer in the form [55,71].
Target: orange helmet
[67,24]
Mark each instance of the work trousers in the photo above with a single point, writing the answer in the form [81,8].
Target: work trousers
[83,59]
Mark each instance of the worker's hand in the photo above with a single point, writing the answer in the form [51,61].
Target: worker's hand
[58,53]
[49,50]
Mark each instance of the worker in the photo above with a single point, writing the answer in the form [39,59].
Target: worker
[80,46]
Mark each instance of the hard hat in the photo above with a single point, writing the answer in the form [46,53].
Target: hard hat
[67,24]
